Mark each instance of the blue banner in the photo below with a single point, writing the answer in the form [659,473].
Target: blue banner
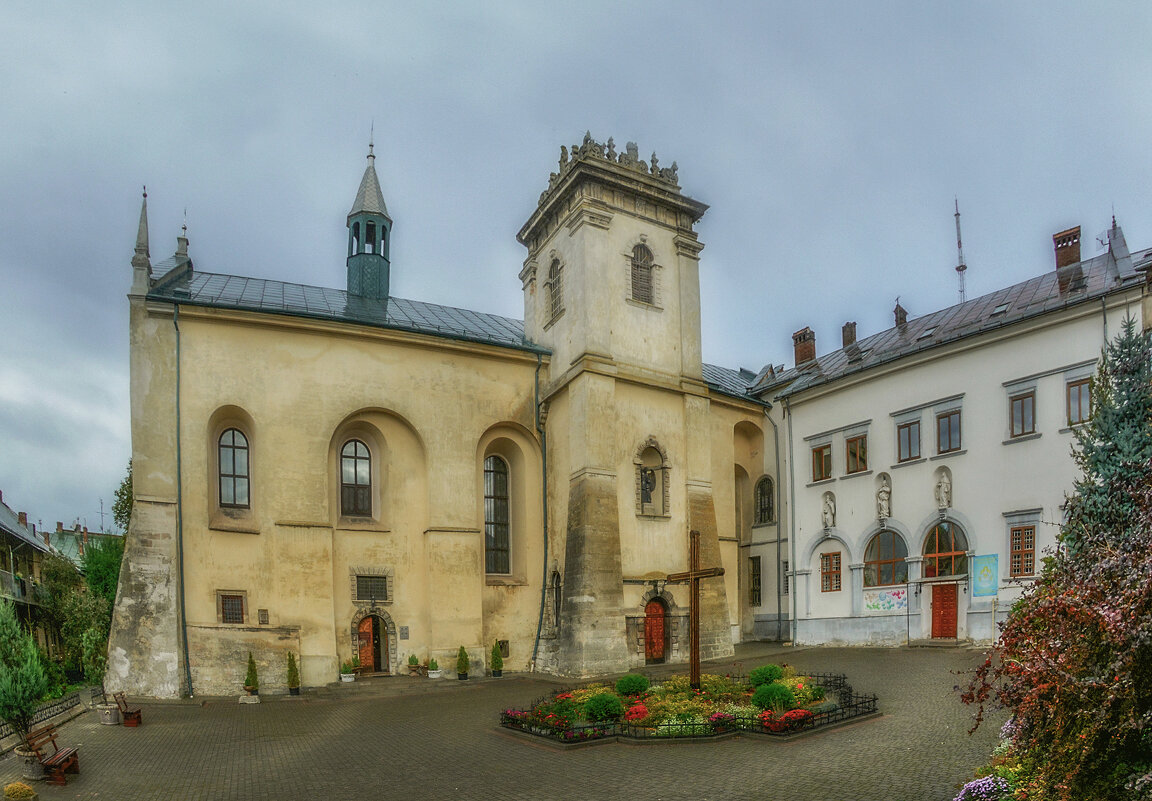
[986,574]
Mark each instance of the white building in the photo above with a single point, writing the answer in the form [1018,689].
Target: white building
[927,464]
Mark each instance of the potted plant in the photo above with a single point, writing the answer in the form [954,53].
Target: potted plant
[497,660]
[293,675]
[462,664]
[251,680]
[21,791]
[413,665]
[434,671]
[347,671]
[22,685]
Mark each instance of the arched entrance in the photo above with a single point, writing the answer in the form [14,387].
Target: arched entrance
[945,556]
[655,631]
[372,635]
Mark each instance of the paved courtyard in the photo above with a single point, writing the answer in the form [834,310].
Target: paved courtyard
[429,740]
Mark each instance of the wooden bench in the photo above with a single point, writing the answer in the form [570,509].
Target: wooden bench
[57,763]
[131,717]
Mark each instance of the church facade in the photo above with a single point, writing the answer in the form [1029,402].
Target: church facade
[347,475]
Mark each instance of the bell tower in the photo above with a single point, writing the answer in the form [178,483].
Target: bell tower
[369,237]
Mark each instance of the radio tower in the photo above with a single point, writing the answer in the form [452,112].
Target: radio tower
[961,267]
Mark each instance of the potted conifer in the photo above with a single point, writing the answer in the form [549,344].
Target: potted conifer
[348,671]
[252,680]
[462,664]
[497,660]
[413,665]
[293,675]
[434,671]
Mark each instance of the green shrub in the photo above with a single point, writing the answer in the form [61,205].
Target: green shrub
[432,664]
[413,660]
[605,706]
[774,696]
[462,663]
[293,672]
[251,680]
[18,790]
[765,674]
[631,684]
[497,657]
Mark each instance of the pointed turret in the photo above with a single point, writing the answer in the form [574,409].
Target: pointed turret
[369,235]
[141,264]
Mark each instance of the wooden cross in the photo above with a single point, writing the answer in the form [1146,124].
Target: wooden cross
[693,575]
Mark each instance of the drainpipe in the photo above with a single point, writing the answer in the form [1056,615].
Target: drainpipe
[779,510]
[791,509]
[180,514]
[544,479]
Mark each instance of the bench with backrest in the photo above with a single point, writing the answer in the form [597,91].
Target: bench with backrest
[131,716]
[57,762]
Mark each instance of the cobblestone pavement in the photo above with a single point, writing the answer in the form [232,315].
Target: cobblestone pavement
[398,737]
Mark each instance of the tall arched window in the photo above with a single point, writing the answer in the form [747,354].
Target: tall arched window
[355,479]
[884,560]
[497,557]
[642,274]
[555,289]
[945,551]
[765,501]
[234,477]
[652,482]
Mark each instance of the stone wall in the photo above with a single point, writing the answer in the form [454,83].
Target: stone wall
[218,656]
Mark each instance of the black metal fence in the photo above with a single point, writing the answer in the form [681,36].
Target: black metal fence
[848,705]
[50,709]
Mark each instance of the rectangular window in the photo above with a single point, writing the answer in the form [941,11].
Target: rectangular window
[1023,551]
[1023,409]
[821,462]
[784,574]
[1079,401]
[948,432]
[857,448]
[830,572]
[371,588]
[754,597]
[908,441]
[230,607]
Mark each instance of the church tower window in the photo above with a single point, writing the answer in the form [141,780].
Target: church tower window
[555,289]
[642,287]
[765,502]
[355,479]
[497,552]
[234,478]
[651,480]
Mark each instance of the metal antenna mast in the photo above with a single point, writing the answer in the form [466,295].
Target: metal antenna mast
[961,267]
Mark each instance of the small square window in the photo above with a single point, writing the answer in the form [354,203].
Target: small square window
[908,441]
[262,615]
[504,649]
[230,607]
[1023,551]
[821,462]
[948,432]
[857,449]
[1079,401]
[830,572]
[371,588]
[1023,410]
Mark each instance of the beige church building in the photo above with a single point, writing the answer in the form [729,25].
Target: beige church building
[342,474]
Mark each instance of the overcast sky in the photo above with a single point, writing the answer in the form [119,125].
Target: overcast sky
[829,139]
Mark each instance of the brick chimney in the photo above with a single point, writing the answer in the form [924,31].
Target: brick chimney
[901,314]
[47,537]
[22,518]
[59,527]
[849,334]
[804,342]
[1067,246]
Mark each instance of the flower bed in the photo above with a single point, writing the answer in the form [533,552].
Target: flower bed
[776,702]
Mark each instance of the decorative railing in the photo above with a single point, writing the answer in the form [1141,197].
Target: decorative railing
[49,710]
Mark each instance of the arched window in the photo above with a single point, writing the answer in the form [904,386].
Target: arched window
[652,480]
[496,529]
[945,551]
[234,477]
[765,501]
[555,289]
[355,479]
[370,237]
[642,274]
[884,560]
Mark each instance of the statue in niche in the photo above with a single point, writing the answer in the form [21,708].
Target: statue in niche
[828,512]
[943,492]
[884,499]
[611,149]
[647,484]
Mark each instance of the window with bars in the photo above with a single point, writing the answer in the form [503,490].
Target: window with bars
[642,275]
[230,607]
[821,462]
[908,441]
[1079,401]
[948,432]
[497,545]
[857,450]
[1022,557]
[233,464]
[765,501]
[371,588]
[754,576]
[1023,411]
[355,479]
[830,572]
[555,289]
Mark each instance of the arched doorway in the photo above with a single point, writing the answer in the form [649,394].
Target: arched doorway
[373,644]
[945,556]
[655,632]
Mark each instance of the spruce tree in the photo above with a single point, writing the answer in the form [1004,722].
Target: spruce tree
[22,679]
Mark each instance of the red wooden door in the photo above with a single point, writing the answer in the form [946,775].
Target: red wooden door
[367,645]
[655,631]
[944,611]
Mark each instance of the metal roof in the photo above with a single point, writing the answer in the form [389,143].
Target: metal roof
[369,198]
[277,297]
[10,524]
[1087,280]
[736,383]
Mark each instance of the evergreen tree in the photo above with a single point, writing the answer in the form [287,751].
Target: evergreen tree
[22,678]
[1114,447]
[122,501]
